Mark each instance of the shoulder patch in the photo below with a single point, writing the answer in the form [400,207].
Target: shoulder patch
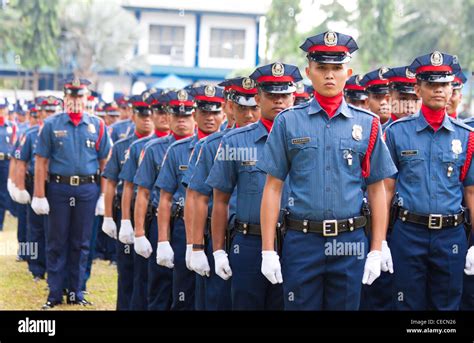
[358,109]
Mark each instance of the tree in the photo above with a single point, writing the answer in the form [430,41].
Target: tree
[36,34]
[98,35]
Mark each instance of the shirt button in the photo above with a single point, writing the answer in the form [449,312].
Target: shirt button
[328,168]
[433,197]
[328,148]
[328,189]
[433,178]
[328,126]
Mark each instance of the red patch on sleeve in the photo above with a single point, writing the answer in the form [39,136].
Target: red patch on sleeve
[372,139]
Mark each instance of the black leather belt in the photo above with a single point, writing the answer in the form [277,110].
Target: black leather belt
[328,228]
[75,180]
[432,221]
[246,228]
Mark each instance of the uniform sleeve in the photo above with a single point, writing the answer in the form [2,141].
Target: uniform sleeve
[391,149]
[105,144]
[146,172]
[201,171]
[469,177]
[381,164]
[112,168]
[168,178]
[129,167]
[223,174]
[275,159]
[44,144]
[25,151]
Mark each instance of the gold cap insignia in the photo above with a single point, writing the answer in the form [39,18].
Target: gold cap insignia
[330,38]
[278,69]
[436,58]
[382,71]
[210,91]
[182,95]
[248,83]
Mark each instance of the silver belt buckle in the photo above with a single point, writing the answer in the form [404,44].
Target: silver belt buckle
[74,180]
[435,221]
[2,156]
[330,228]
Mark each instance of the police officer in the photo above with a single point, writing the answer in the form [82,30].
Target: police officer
[125,126]
[249,288]
[226,108]
[242,105]
[8,131]
[456,98]
[113,208]
[355,94]
[378,94]
[126,235]
[159,277]
[36,225]
[331,152]
[403,99]
[112,113]
[72,147]
[171,228]
[433,154]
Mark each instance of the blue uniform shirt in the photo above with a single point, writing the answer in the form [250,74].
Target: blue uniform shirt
[192,161]
[323,158]
[71,149]
[26,149]
[204,163]
[8,134]
[117,159]
[133,158]
[429,164]
[235,165]
[175,163]
[121,129]
[149,168]
[469,121]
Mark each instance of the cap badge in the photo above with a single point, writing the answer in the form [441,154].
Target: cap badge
[409,74]
[182,95]
[210,91]
[76,82]
[278,69]
[330,38]
[248,83]
[382,71]
[436,58]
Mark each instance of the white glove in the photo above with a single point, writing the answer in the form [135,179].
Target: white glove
[271,267]
[23,197]
[100,206]
[372,268]
[143,247]
[221,264]
[387,263]
[469,267]
[199,263]
[109,227]
[12,190]
[15,193]
[40,205]
[187,257]
[126,234]
[165,254]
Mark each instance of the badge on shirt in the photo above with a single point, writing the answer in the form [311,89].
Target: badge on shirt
[60,133]
[183,167]
[456,146]
[357,132]
[142,154]
[301,140]
[91,128]
[9,130]
[409,152]
[249,163]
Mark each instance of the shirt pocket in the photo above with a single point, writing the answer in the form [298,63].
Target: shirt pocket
[451,167]
[412,167]
[351,154]
[251,179]
[304,153]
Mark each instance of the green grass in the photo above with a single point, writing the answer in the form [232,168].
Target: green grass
[18,291]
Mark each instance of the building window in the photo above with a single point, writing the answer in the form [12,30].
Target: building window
[227,43]
[166,40]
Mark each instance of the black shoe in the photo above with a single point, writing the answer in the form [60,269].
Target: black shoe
[20,259]
[49,305]
[82,302]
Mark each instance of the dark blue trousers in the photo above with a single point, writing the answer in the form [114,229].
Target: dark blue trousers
[250,290]
[37,232]
[5,200]
[70,227]
[319,276]
[184,280]
[97,225]
[125,270]
[160,278]
[218,297]
[139,301]
[428,265]
[22,228]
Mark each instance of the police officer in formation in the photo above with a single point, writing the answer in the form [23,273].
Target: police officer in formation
[251,213]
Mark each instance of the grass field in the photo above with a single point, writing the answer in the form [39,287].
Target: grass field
[18,291]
